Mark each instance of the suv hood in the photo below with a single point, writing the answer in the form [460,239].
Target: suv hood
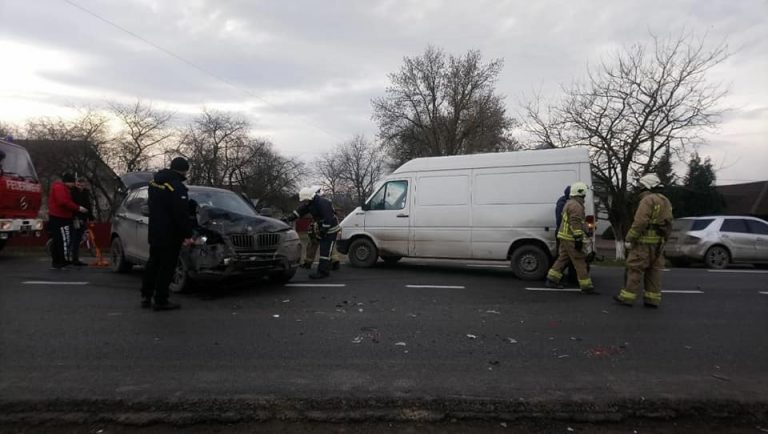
[227,222]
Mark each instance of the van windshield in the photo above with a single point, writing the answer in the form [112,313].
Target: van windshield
[16,162]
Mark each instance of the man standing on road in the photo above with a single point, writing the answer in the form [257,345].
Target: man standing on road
[61,211]
[81,195]
[561,201]
[313,235]
[169,229]
[645,243]
[322,212]
[571,235]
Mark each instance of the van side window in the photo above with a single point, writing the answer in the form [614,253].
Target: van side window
[391,196]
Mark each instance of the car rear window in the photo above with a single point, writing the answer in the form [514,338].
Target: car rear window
[734,225]
[701,224]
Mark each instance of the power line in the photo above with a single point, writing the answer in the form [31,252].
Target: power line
[193,65]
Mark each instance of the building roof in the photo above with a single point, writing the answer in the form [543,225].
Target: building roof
[750,198]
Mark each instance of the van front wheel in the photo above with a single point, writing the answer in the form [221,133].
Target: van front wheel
[362,253]
[530,262]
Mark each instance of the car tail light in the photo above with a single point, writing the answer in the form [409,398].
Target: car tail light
[690,239]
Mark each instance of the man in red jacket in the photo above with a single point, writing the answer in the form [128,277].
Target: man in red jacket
[61,211]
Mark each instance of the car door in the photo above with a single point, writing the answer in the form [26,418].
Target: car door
[387,217]
[759,230]
[123,224]
[735,234]
[135,245]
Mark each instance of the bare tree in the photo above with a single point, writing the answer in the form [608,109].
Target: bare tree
[328,168]
[362,165]
[80,146]
[443,105]
[630,111]
[145,133]
[218,147]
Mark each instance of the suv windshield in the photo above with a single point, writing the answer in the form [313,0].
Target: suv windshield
[16,162]
[222,199]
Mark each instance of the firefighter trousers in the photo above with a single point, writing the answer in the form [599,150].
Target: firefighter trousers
[327,245]
[312,246]
[644,265]
[568,253]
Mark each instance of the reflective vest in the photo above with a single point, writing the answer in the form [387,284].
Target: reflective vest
[653,220]
[572,226]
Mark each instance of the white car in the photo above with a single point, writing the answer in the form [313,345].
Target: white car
[718,241]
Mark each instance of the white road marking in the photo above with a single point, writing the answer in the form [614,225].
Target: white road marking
[316,285]
[682,291]
[46,282]
[554,289]
[740,271]
[435,286]
[763,292]
[487,266]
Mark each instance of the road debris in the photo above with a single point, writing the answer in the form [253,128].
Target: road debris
[511,340]
[471,336]
[275,316]
[563,356]
[601,351]
[357,340]
[494,312]
[721,377]
[287,300]
[400,344]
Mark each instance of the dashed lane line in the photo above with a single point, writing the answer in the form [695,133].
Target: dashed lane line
[763,292]
[47,282]
[436,286]
[554,289]
[740,271]
[316,285]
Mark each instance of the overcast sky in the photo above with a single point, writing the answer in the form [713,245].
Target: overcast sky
[304,72]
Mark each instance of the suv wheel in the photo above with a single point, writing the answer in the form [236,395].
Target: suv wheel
[717,257]
[530,262]
[117,254]
[362,253]
[181,282]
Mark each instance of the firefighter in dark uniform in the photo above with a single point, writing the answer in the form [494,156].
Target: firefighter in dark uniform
[322,212]
[169,228]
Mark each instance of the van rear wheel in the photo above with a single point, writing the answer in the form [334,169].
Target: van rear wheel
[362,253]
[530,262]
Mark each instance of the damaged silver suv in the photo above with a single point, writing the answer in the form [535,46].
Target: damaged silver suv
[231,238]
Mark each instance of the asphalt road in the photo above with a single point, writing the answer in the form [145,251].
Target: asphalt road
[422,340]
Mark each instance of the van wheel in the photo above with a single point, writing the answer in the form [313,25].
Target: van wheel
[391,260]
[362,253]
[181,282]
[529,262]
[117,254]
[717,257]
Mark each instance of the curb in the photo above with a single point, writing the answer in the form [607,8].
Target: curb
[183,412]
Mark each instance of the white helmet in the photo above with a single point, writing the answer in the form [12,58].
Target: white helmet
[318,189]
[650,181]
[578,188]
[307,193]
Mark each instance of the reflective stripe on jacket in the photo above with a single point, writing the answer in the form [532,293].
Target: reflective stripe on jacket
[572,227]
[653,219]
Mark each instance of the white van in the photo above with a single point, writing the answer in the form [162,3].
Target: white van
[497,206]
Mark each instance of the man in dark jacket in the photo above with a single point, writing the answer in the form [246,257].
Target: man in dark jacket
[169,229]
[81,195]
[322,212]
[61,211]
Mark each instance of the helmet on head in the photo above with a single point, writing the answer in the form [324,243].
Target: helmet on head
[650,181]
[307,193]
[578,189]
[318,189]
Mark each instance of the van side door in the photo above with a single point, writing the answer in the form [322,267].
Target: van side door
[388,219]
[442,215]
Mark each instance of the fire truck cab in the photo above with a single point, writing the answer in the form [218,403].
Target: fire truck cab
[20,194]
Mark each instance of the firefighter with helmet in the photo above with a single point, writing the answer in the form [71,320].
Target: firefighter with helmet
[645,242]
[314,236]
[572,233]
[321,209]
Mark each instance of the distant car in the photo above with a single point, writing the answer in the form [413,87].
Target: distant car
[718,241]
[232,239]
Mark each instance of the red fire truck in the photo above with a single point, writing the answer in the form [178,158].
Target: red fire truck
[20,194]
